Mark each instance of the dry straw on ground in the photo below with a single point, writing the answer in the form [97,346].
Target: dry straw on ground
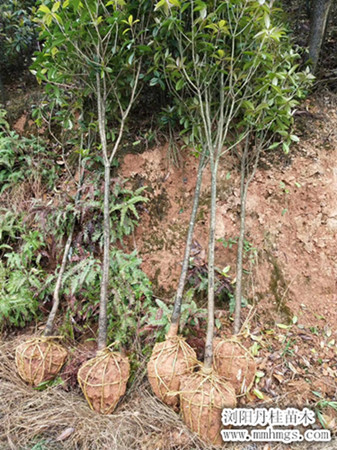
[28,416]
[170,360]
[141,422]
[39,359]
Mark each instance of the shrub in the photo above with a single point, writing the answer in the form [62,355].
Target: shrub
[17,33]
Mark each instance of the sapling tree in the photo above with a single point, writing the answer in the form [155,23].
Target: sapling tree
[215,54]
[96,47]
[267,119]
[174,357]
[41,358]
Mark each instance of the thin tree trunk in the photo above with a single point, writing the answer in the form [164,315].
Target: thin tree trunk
[319,18]
[174,328]
[56,296]
[102,323]
[238,286]
[244,185]
[208,361]
[48,331]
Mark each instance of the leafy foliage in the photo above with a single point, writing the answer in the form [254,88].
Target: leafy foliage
[191,316]
[25,284]
[240,55]
[129,300]
[68,62]
[223,285]
[17,33]
[21,275]
[23,158]
[124,214]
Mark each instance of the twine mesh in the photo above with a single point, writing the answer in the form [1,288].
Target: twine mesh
[103,380]
[235,363]
[203,396]
[40,359]
[169,361]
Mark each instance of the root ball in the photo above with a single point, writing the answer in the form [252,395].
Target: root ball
[103,380]
[170,360]
[39,359]
[203,395]
[234,362]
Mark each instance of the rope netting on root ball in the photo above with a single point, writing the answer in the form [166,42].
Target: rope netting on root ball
[203,395]
[170,360]
[235,363]
[39,359]
[103,380]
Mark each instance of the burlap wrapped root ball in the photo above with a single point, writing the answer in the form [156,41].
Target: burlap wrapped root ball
[170,360]
[103,380]
[203,395]
[39,359]
[234,362]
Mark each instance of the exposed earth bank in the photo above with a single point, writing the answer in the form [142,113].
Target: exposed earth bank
[291,220]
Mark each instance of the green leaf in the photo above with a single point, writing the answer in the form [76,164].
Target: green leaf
[281,325]
[180,84]
[44,9]
[294,138]
[56,6]
[274,145]
[258,394]
[286,148]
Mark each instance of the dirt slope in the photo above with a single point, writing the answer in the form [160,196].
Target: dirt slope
[291,219]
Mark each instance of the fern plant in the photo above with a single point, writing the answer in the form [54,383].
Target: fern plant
[130,295]
[18,304]
[21,278]
[123,212]
[23,158]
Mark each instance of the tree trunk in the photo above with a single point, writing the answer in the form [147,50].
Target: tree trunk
[211,248]
[56,297]
[174,328]
[246,178]
[101,110]
[319,19]
[238,286]
[102,322]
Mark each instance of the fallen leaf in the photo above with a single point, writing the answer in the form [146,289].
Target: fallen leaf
[258,394]
[279,378]
[283,326]
[292,368]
